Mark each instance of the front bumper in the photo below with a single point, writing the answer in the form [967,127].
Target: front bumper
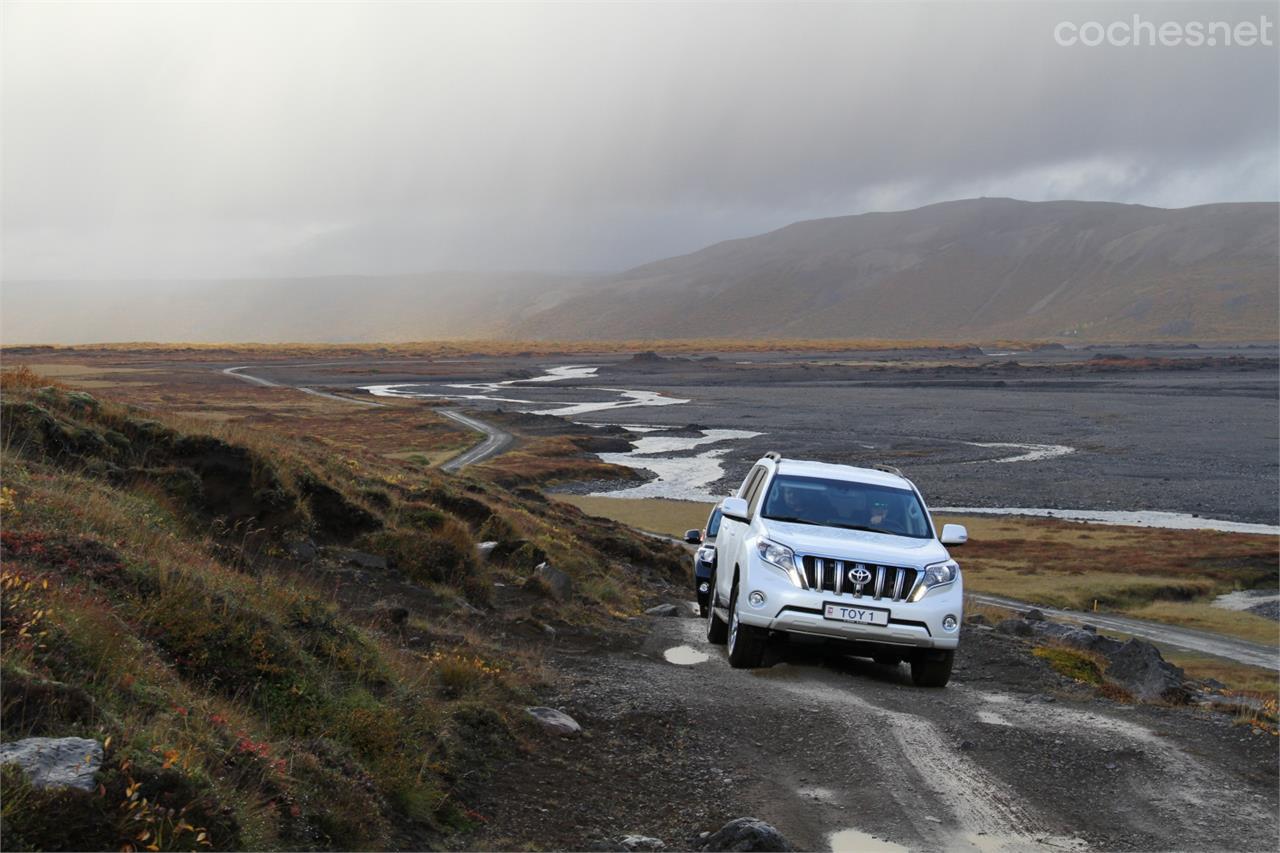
[800,611]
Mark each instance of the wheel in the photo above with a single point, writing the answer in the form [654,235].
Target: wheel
[887,660]
[932,669]
[746,643]
[717,631]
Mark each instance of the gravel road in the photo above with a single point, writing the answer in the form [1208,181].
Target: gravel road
[1010,757]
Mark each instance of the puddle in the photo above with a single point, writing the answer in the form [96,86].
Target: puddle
[996,843]
[1246,599]
[992,719]
[855,841]
[1165,520]
[685,655]
[1029,452]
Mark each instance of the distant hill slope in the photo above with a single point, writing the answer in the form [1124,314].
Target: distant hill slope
[974,269]
[980,269]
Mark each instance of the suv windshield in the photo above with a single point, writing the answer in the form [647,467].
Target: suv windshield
[837,503]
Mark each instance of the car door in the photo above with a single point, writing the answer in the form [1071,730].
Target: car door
[729,540]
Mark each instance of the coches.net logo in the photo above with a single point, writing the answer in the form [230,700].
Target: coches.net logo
[1139,32]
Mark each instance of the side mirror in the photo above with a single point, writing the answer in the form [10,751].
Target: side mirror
[735,508]
[954,534]
[693,537]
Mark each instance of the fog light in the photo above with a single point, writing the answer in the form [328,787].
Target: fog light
[949,623]
[756,598]
[704,586]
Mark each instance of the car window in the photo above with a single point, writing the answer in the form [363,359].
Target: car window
[838,503]
[749,482]
[713,523]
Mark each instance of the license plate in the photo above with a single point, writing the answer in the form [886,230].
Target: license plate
[861,615]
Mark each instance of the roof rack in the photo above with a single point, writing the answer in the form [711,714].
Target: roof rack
[774,455]
[890,469]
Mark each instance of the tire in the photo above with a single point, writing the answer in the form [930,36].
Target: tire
[887,660]
[932,669]
[717,630]
[746,642]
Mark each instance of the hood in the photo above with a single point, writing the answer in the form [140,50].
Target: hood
[856,545]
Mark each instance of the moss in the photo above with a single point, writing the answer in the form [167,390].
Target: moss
[1073,663]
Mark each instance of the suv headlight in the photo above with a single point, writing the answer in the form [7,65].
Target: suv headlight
[936,575]
[707,554]
[778,555]
[782,558]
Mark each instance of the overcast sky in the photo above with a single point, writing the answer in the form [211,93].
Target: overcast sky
[204,140]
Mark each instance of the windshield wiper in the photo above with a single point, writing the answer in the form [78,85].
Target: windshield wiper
[790,518]
[858,527]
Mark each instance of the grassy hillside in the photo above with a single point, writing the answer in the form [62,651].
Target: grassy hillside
[964,270]
[280,645]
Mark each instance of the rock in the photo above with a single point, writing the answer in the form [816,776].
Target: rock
[1138,667]
[746,833]
[1017,627]
[484,549]
[977,619]
[664,610]
[555,722]
[560,584]
[1034,615]
[54,762]
[302,550]
[362,559]
[642,842]
[390,611]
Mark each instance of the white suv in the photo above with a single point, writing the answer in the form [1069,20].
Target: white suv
[836,552]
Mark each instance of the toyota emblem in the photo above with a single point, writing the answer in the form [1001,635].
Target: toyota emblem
[859,575]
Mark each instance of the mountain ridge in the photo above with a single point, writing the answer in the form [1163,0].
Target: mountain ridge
[966,269]
[961,270]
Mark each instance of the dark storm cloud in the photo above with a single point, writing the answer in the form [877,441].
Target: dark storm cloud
[201,140]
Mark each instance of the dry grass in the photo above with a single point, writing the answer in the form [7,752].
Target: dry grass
[1205,617]
[543,461]
[1236,676]
[656,515]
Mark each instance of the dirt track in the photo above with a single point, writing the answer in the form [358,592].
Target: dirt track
[1010,757]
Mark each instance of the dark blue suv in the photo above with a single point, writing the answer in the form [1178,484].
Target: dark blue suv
[704,560]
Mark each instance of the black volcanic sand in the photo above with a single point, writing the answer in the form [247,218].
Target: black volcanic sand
[1155,428]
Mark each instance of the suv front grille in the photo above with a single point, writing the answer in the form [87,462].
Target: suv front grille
[825,573]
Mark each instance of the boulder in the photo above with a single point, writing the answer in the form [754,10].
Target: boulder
[560,584]
[302,550]
[555,722]
[1017,627]
[1138,667]
[663,610]
[362,559]
[1034,615]
[484,549]
[55,762]
[745,833]
[641,842]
